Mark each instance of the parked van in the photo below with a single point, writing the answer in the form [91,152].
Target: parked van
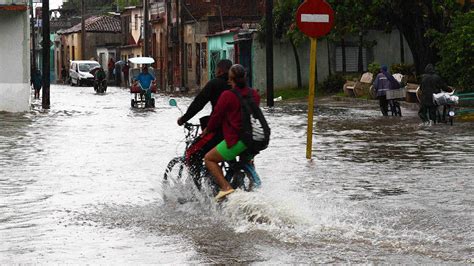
[79,72]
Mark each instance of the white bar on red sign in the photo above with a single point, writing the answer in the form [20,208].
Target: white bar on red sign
[318,18]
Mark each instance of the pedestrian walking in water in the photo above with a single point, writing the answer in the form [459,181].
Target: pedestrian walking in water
[37,82]
[64,74]
[384,82]
[118,74]
[110,68]
[430,83]
[125,70]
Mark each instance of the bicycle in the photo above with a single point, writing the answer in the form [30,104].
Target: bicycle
[392,97]
[240,174]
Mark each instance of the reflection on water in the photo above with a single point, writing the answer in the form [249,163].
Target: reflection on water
[82,183]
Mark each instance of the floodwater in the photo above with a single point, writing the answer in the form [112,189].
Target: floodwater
[81,183]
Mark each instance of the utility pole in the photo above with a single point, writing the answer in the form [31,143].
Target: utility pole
[402,48]
[181,39]
[46,55]
[83,31]
[169,39]
[146,43]
[269,50]
[33,41]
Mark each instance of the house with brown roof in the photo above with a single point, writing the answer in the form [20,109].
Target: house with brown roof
[101,32]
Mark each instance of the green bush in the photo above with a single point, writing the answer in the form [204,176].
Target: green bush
[456,50]
[333,83]
[374,68]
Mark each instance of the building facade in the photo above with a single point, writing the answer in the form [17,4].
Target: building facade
[101,31]
[14,56]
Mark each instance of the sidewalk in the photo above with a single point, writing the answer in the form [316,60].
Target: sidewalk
[404,104]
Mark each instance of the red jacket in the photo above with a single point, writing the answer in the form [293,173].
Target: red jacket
[227,114]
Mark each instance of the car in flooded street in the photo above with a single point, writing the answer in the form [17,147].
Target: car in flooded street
[79,72]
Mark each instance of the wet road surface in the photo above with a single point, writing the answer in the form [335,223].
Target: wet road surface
[81,183]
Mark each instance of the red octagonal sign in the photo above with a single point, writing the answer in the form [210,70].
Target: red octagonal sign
[315,18]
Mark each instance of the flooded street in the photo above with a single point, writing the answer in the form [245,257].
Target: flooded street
[82,183]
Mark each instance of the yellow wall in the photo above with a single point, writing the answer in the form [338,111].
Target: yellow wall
[74,40]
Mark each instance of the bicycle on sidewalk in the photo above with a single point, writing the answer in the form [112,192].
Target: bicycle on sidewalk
[240,173]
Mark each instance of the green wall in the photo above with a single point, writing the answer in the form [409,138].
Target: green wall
[218,44]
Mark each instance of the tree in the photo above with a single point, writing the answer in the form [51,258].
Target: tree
[284,21]
[415,19]
[352,17]
[456,50]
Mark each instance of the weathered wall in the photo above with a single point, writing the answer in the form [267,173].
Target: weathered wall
[95,40]
[387,51]
[196,74]
[219,43]
[14,62]
[284,65]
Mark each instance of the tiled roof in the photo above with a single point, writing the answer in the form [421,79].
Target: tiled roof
[97,24]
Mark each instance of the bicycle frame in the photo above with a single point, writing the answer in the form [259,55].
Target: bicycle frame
[230,167]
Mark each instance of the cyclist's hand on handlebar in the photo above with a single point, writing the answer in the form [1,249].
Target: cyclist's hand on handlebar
[180,121]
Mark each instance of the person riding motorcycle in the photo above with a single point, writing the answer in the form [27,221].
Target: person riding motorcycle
[209,93]
[100,79]
[227,117]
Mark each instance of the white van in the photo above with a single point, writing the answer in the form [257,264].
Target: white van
[79,72]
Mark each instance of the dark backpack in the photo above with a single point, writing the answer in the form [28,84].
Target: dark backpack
[255,132]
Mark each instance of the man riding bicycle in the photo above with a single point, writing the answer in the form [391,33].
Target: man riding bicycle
[210,93]
[227,117]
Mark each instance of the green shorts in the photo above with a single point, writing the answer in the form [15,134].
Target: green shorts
[230,154]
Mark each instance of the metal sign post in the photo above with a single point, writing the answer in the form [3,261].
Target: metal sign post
[312,88]
[314,18]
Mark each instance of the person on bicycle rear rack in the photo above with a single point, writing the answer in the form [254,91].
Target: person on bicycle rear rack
[210,93]
[228,118]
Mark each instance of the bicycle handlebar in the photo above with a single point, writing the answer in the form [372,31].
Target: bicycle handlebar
[190,126]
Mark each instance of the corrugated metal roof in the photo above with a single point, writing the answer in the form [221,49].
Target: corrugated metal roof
[97,24]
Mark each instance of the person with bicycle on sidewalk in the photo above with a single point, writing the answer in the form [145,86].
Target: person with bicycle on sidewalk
[227,117]
[431,83]
[210,93]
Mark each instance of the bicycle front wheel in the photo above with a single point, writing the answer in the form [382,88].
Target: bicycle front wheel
[174,170]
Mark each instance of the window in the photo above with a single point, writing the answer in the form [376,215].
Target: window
[204,55]
[189,54]
[352,58]
[101,59]
[136,21]
[215,58]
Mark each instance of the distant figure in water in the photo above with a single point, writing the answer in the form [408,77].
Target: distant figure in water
[37,82]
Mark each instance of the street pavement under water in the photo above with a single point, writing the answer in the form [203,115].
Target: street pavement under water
[82,183]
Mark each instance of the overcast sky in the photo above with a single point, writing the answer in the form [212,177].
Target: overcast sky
[53,4]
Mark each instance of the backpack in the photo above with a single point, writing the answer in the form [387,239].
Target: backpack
[255,132]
